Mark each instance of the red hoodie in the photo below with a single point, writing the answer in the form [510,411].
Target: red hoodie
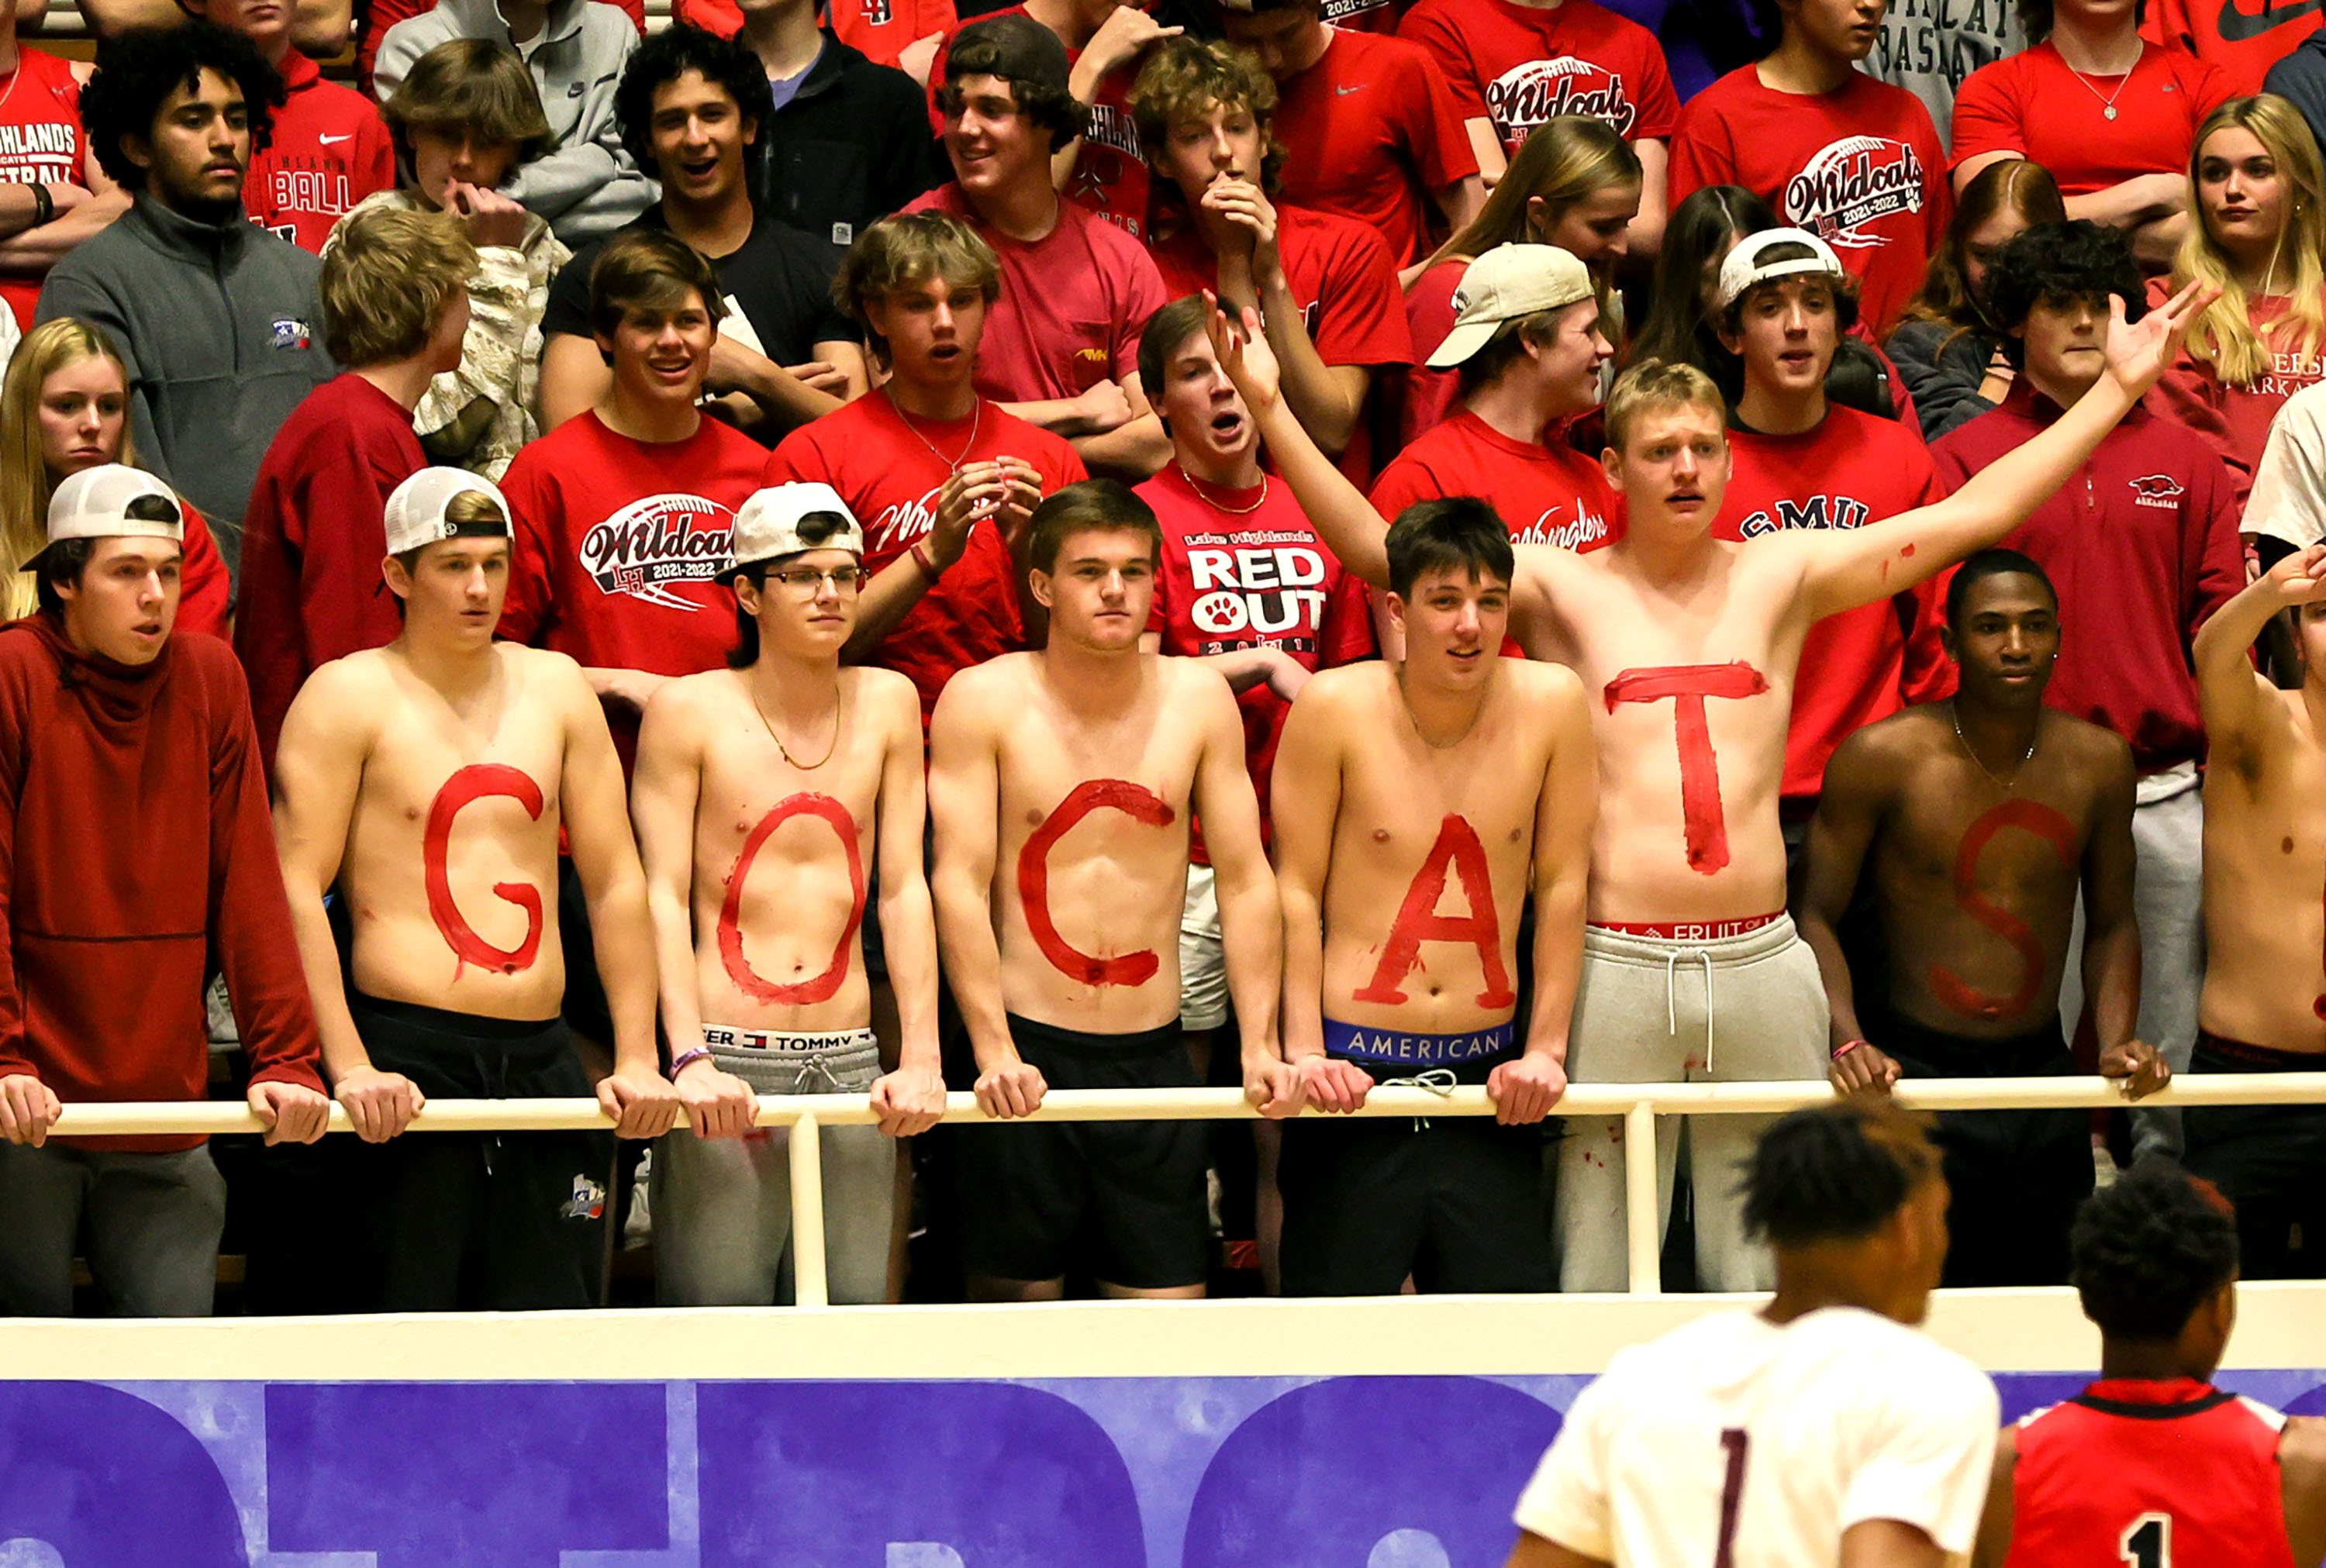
[2141,545]
[121,875]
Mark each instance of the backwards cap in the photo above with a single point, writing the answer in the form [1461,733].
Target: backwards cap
[1744,267]
[415,514]
[97,503]
[767,525]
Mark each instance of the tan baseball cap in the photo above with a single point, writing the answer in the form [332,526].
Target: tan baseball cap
[102,503]
[1507,283]
[1743,267]
[767,525]
[415,514]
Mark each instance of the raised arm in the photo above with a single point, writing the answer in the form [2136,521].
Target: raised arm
[1251,921]
[1843,569]
[318,766]
[911,1098]
[1008,489]
[2233,696]
[1526,1090]
[1848,813]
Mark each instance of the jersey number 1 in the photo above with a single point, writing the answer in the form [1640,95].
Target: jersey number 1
[2148,1542]
[1732,1495]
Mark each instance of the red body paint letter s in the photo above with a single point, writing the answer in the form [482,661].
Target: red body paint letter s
[821,987]
[471,784]
[1417,920]
[1705,825]
[1092,794]
[2043,822]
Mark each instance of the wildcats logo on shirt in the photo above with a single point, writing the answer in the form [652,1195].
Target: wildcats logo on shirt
[2157,490]
[662,539]
[1852,183]
[1520,100]
[1817,512]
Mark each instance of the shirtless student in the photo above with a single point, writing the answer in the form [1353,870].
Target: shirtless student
[1063,783]
[1979,820]
[427,780]
[1688,647]
[761,792]
[1416,803]
[2263,1006]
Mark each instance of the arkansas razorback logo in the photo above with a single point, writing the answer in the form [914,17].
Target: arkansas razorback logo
[2156,490]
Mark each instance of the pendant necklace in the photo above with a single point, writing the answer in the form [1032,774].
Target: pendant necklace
[1971,752]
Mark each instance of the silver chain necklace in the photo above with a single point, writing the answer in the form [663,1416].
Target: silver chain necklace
[2006,785]
[953,466]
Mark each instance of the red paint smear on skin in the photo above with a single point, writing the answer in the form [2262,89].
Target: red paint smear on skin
[1095,794]
[1687,686]
[1905,552]
[2317,1005]
[1417,920]
[821,987]
[475,783]
[2030,817]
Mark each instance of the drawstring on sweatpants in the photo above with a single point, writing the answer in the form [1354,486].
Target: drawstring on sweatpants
[1438,1080]
[1672,996]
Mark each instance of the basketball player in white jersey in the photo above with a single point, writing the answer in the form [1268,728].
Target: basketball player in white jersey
[1821,1431]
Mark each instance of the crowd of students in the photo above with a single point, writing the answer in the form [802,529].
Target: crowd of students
[695,515]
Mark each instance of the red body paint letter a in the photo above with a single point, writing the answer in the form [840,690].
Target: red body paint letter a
[471,784]
[820,987]
[1417,920]
[1688,685]
[1092,794]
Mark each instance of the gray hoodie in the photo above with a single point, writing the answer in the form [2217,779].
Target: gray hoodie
[588,186]
[223,337]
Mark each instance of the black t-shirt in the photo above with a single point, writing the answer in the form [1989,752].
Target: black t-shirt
[780,278]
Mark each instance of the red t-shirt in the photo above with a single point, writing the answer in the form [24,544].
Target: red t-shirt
[1072,306]
[1521,65]
[2243,37]
[1851,470]
[40,144]
[620,544]
[1372,132]
[330,149]
[880,29]
[1546,494]
[890,475]
[1244,569]
[2035,106]
[313,540]
[1111,177]
[2235,420]
[1860,166]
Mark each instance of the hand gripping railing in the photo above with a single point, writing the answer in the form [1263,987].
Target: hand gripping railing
[1639,1104]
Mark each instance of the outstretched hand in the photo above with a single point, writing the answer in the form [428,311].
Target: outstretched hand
[2299,578]
[2138,351]
[1245,354]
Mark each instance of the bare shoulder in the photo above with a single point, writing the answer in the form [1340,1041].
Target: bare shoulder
[1911,736]
[885,694]
[555,676]
[1185,680]
[687,698]
[2098,752]
[2301,1447]
[349,691]
[1339,692]
[973,697]
[1543,681]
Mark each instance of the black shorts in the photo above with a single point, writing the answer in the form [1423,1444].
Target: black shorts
[2016,1176]
[1119,1201]
[482,1221]
[2269,1160]
[1456,1201]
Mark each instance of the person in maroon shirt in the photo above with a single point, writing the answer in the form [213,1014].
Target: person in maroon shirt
[396,310]
[2143,543]
[137,845]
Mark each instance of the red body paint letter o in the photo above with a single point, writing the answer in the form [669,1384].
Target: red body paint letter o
[1417,920]
[474,783]
[2043,822]
[1092,794]
[821,987]
[1688,685]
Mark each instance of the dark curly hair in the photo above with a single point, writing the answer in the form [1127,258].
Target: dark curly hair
[2059,263]
[1046,105]
[1835,1173]
[138,69]
[666,56]
[2149,1250]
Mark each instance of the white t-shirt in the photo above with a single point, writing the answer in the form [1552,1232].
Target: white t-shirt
[2289,488]
[1790,1434]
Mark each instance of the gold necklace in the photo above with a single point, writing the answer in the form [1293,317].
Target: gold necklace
[1970,751]
[1197,486]
[1406,702]
[768,725]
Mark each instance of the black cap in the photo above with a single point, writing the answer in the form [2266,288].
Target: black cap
[1018,48]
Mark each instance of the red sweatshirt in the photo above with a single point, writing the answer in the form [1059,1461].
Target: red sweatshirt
[313,540]
[2141,545]
[2235,420]
[122,874]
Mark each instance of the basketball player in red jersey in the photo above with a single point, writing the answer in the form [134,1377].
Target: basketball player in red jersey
[2153,1465]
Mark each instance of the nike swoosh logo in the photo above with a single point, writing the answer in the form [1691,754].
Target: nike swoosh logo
[2237,27]
[1360,87]
[350,137]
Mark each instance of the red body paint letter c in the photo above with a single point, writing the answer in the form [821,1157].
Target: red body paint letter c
[1136,802]
[1417,920]
[820,987]
[473,783]
[1688,685]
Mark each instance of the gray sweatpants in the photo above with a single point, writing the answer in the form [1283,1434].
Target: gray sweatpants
[722,1207]
[2168,895]
[154,1224]
[1745,1008]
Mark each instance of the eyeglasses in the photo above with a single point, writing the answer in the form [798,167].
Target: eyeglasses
[807,582]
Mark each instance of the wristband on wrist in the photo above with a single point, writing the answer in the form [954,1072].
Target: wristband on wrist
[926,561]
[686,1059]
[1845,1048]
[44,206]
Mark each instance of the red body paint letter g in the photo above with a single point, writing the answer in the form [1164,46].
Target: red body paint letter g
[471,784]
[821,987]
[1092,794]
[1417,920]
[1688,685]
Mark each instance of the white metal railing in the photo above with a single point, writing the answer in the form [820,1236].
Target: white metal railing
[1639,1104]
